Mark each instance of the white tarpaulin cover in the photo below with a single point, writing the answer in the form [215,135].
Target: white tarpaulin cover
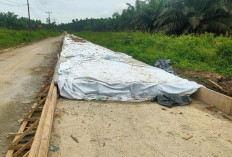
[93,72]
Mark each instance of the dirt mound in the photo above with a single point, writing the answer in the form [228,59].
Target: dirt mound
[78,39]
[212,81]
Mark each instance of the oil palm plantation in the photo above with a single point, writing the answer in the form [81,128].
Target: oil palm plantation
[147,13]
[195,16]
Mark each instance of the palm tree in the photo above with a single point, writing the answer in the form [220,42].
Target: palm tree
[146,14]
[126,18]
[195,16]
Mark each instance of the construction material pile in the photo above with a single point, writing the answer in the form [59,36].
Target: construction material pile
[92,72]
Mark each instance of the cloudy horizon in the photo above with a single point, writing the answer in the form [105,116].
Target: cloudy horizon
[64,11]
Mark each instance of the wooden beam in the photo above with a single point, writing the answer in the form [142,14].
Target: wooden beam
[42,93]
[39,109]
[26,125]
[15,134]
[25,133]
[210,97]
[36,144]
[28,145]
[215,84]
[228,117]
[35,108]
[32,119]
[17,147]
[48,79]
[21,129]
[26,155]
[44,145]
[20,133]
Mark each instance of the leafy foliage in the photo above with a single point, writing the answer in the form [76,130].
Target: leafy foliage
[167,16]
[195,16]
[203,52]
[11,21]
[10,38]
[147,13]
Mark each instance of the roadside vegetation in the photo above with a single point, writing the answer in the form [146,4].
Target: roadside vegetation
[10,20]
[197,52]
[167,16]
[14,30]
[148,30]
[9,38]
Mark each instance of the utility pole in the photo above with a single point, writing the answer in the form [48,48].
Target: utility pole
[49,17]
[29,18]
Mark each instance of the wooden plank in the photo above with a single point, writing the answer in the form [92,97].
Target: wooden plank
[48,78]
[32,119]
[36,144]
[42,94]
[44,145]
[21,129]
[24,125]
[228,117]
[17,147]
[39,109]
[231,110]
[210,97]
[26,155]
[20,133]
[30,125]
[28,145]
[25,133]
[51,72]
[35,108]
[215,84]
[15,134]
[46,90]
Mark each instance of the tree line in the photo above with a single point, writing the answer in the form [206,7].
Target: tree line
[12,21]
[167,16]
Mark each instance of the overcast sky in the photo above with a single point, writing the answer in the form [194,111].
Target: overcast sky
[65,10]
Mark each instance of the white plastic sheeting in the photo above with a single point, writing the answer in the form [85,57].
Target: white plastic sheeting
[93,72]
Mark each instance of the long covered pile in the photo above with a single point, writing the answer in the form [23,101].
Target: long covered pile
[93,72]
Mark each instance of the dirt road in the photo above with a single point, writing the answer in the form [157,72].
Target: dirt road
[22,72]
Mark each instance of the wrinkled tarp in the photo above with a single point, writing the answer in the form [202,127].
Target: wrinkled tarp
[166,65]
[171,100]
[93,72]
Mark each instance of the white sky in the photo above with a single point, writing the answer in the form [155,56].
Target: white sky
[66,10]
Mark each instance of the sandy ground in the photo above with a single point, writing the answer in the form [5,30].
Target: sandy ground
[123,129]
[22,72]
[103,129]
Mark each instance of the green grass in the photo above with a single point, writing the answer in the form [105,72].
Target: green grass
[204,52]
[9,38]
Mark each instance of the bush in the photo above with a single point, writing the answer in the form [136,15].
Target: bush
[198,52]
[10,38]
